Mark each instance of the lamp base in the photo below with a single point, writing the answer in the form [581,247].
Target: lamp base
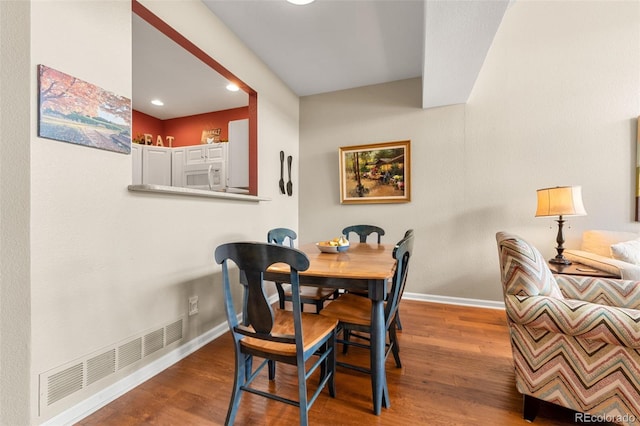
[560,260]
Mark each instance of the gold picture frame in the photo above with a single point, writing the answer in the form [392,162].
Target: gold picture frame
[375,173]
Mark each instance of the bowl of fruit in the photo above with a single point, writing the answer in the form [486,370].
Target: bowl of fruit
[337,245]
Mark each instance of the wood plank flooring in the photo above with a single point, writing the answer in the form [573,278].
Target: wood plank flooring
[457,370]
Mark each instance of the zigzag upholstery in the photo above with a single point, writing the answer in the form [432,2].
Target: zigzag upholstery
[575,340]
[611,292]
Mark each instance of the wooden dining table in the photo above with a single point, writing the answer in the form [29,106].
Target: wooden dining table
[363,266]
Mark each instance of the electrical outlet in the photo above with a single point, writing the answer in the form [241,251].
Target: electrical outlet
[193,305]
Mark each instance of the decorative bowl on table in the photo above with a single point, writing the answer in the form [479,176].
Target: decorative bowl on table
[337,245]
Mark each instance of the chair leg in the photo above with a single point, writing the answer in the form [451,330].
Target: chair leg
[530,407]
[319,305]
[236,393]
[323,371]
[395,347]
[302,394]
[323,366]
[280,295]
[271,365]
[346,335]
[398,323]
[248,366]
[331,361]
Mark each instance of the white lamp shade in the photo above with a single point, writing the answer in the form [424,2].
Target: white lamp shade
[560,201]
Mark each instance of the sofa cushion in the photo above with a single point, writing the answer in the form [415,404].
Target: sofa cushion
[600,241]
[624,270]
[604,263]
[627,251]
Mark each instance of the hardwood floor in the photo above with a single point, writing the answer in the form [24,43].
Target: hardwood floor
[457,370]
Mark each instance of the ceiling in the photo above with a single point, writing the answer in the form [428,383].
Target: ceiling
[325,46]
[331,45]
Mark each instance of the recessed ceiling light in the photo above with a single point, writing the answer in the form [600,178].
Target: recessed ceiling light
[157,102]
[300,2]
[232,87]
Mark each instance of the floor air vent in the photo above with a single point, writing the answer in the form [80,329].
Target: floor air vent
[65,380]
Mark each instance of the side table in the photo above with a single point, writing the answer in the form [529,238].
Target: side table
[579,269]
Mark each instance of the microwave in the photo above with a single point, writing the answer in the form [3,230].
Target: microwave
[205,176]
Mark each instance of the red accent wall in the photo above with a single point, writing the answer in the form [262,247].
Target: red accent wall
[142,123]
[187,130]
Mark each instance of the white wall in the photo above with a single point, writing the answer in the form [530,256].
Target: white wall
[15,313]
[556,103]
[108,264]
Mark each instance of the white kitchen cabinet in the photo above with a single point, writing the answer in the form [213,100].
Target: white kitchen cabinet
[150,165]
[156,165]
[136,158]
[199,154]
[238,164]
[177,166]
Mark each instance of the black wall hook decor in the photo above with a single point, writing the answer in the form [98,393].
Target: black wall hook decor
[281,172]
[289,184]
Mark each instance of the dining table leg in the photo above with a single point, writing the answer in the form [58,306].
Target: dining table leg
[378,376]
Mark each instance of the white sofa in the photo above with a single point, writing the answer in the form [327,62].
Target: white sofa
[615,252]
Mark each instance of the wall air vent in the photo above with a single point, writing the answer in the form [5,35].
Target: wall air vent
[173,332]
[76,376]
[64,383]
[153,341]
[129,353]
[101,366]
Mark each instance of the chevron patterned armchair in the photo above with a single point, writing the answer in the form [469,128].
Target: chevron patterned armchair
[575,340]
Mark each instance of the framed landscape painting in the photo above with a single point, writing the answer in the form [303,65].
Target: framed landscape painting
[375,173]
[72,110]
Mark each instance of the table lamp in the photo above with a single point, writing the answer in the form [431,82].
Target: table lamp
[560,201]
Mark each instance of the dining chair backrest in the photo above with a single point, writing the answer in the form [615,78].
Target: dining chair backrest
[402,253]
[363,232]
[253,259]
[280,235]
[312,296]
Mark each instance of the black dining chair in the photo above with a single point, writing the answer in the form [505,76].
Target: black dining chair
[354,312]
[292,337]
[308,295]
[363,231]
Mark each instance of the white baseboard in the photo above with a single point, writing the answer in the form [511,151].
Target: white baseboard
[113,392]
[449,300]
